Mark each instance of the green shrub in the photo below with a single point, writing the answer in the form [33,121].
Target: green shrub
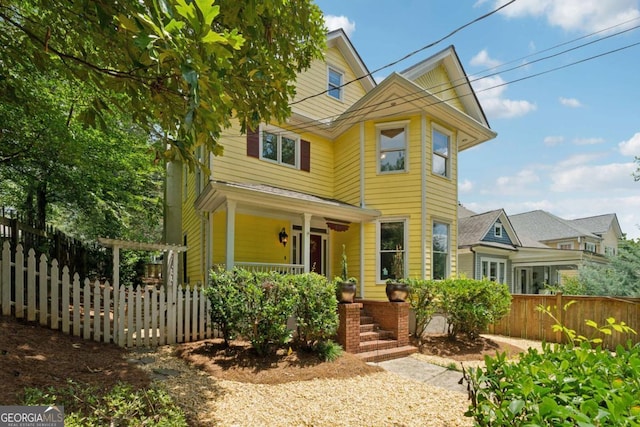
[565,385]
[471,305]
[328,350]
[121,406]
[422,298]
[270,300]
[227,300]
[316,309]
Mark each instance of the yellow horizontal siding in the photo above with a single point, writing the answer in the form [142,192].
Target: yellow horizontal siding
[256,240]
[347,166]
[314,81]
[192,227]
[235,166]
[437,82]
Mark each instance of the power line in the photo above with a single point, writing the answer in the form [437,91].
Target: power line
[409,55]
[423,94]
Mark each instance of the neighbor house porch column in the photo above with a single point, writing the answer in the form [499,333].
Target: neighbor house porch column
[231,233]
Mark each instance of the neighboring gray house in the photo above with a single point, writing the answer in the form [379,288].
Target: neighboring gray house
[528,250]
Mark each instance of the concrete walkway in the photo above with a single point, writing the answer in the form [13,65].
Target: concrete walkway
[418,370]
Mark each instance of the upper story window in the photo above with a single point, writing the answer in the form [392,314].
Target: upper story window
[392,147]
[441,164]
[608,250]
[589,247]
[279,146]
[334,83]
[497,230]
[565,245]
[440,251]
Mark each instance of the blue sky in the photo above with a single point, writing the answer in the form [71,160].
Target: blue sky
[567,139]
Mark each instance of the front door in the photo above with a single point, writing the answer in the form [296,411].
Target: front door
[315,253]
[522,275]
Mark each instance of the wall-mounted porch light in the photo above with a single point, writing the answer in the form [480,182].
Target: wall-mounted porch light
[283,237]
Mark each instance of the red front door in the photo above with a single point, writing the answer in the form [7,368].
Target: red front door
[315,253]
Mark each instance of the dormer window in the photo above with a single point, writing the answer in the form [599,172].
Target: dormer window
[497,230]
[334,83]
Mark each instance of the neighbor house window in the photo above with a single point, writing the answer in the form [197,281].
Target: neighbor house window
[590,247]
[494,270]
[441,153]
[608,250]
[440,251]
[565,245]
[391,244]
[497,230]
[392,147]
[279,147]
[334,83]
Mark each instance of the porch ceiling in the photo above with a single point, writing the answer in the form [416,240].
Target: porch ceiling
[266,197]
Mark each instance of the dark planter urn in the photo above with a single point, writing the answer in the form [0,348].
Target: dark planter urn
[345,292]
[397,292]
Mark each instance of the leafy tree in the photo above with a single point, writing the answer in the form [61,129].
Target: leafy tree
[181,68]
[620,277]
[89,182]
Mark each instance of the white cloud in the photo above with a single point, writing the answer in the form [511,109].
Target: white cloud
[577,160]
[575,15]
[631,147]
[570,102]
[588,141]
[518,183]
[482,59]
[465,186]
[552,141]
[593,178]
[490,91]
[333,22]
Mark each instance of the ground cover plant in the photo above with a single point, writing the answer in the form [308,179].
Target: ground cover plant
[578,383]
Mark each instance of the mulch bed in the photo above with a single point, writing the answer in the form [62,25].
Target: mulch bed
[35,356]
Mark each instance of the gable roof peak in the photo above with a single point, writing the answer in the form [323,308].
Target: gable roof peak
[339,39]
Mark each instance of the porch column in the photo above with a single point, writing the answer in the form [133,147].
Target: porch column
[231,232]
[306,239]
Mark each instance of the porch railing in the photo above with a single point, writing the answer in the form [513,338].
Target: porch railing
[266,267]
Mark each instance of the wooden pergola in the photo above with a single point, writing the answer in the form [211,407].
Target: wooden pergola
[170,261]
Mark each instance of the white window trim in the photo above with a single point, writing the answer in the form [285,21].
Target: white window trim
[497,261]
[497,230]
[280,133]
[341,88]
[392,125]
[447,132]
[449,247]
[405,236]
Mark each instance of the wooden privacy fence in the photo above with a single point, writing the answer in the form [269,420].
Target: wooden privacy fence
[37,290]
[526,321]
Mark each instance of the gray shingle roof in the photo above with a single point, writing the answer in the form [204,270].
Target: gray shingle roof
[543,226]
[596,224]
[472,229]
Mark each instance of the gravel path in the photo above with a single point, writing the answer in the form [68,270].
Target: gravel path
[382,399]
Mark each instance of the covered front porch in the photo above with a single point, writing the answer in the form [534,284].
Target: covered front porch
[536,268]
[265,228]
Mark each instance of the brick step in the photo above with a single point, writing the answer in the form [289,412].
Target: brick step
[365,320]
[377,345]
[369,327]
[375,335]
[388,354]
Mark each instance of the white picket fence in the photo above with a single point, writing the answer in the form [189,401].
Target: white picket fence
[41,291]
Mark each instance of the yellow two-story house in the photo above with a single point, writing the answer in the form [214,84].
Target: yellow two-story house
[369,167]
